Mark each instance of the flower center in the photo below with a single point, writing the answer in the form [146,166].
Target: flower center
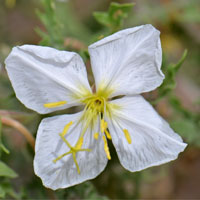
[96,107]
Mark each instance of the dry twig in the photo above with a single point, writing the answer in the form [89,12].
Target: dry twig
[21,128]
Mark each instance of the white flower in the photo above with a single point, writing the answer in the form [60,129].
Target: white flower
[73,148]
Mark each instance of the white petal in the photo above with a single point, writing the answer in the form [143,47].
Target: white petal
[153,141]
[41,75]
[128,61]
[49,146]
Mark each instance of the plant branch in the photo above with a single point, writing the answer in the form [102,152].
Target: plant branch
[21,128]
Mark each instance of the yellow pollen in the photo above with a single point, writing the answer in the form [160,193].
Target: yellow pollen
[104,126]
[96,135]
[66,128]
[127,135]
[108,134]
[54,104]
[79,143]
[106,149]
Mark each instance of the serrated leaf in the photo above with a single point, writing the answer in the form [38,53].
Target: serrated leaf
[113,18]
[6,171]
[54,36]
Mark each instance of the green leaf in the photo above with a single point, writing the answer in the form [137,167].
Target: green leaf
[85,190]
[2,147]
[188,130]
[169,82]
[102,18]
[117,10]
[114,17]
[177,106]
[7,191]
[6,171]
[180,62]
[2,192]
[54,36]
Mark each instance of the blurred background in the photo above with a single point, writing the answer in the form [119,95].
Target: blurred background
[72,25]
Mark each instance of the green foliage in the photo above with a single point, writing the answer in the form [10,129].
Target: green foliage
[53,37]
[188,130]
[189,123]
[185,122]
[7,191]
[2,147]
[6,171]
[169,82]
[83,191]
[2,192]
[114,17]
[190,13]
[176,104]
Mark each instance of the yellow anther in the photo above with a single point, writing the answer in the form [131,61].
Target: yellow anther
[106,149]
[79,143]
[104,125]
[66,128]
[127,135]
[108,134]
[96,136]
[55,104]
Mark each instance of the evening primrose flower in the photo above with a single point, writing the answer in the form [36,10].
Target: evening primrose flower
[72,148]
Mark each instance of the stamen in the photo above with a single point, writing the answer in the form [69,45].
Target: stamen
[54,104]
[108,134]
[76,163]
[66,128]
[95,105]
[73,150]
[106,149]
[104,126]
[66,142]
[61,156]
[79,143]
[127,135]
[96,136]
